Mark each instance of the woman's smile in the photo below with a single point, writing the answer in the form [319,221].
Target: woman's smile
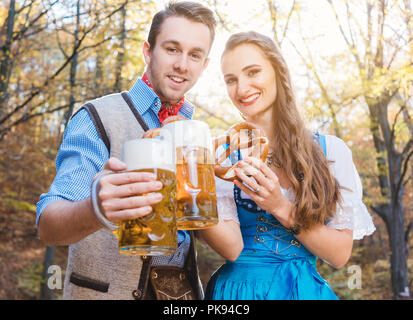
[250,100]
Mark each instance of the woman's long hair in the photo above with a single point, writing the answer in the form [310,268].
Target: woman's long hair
[316,191]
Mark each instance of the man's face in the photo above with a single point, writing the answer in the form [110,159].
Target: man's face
[178,58]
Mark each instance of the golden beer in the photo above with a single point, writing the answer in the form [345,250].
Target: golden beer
[196,196]
[155,233]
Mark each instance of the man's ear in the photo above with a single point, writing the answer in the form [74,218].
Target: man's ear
[147,52]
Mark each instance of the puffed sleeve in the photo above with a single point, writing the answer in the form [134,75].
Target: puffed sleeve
[351,213]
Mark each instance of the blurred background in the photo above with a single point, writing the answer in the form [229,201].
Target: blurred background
[351,63]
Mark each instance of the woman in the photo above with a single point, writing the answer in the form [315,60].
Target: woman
[303,203]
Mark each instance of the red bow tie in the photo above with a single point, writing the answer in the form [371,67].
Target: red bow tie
[166,110]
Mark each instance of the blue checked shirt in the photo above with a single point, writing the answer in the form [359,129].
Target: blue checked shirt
[83,154]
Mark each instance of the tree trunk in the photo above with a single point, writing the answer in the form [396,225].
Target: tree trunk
[73,68]
[6,64]
[121,53]
[390,169]
[45,292]
[398,258]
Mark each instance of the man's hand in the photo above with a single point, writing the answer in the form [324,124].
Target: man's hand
[121,196]
[126,195]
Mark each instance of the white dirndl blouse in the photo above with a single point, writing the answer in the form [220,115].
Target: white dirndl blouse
[351,214]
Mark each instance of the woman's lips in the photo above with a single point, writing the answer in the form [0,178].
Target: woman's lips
[251,99]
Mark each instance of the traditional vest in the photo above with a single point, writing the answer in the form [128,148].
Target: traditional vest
[96,269]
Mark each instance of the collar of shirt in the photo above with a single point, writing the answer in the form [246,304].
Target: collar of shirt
[146,101]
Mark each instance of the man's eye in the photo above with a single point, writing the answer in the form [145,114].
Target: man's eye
[196,56]
[229,81]
[172,50]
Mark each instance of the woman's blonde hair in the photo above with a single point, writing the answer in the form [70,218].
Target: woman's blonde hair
[302,158]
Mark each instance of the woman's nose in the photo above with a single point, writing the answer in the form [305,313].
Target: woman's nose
[242,87]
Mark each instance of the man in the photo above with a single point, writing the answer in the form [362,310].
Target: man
[77,214]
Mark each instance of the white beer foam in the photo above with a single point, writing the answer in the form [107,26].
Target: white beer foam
[148,153]
[188,133]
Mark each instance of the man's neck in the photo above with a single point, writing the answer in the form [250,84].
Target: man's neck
[163,100]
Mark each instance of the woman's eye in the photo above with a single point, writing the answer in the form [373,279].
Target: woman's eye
[253,72]
[229,81]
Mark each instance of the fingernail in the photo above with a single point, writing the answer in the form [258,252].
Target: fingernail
[158,185]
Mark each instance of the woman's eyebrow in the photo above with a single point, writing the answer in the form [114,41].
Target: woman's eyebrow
[250,66]
[243,69]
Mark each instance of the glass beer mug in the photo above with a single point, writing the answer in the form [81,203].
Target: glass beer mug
[196,197]
[155,233]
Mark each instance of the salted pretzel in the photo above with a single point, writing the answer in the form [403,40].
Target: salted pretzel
[152,133]
[233,139]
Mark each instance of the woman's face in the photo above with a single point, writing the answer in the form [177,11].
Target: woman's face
[250,80]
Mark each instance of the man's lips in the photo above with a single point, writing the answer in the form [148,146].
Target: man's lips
[249,100]
[177,79]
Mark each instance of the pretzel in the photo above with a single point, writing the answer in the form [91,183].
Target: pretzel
[232,137]
[152,133]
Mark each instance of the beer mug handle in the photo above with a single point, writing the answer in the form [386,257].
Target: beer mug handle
[99,215]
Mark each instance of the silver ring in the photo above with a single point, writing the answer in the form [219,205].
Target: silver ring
[258,189]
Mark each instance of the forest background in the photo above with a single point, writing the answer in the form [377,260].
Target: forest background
[352,68]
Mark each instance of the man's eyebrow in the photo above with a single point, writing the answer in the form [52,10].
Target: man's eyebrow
[177,43]
[170,42]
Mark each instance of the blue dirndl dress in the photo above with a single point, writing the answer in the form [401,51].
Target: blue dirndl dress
[272,266]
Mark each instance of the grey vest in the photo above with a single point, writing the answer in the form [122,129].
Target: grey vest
[96,269]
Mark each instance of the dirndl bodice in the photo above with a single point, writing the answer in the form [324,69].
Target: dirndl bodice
[272,266]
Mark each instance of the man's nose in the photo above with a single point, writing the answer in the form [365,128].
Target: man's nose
[181,63]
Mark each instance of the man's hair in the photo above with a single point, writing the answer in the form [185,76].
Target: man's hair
[192,11]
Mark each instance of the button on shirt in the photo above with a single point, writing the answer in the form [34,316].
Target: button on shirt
[83,154]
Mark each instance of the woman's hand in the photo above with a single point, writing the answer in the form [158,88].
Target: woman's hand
[265,189]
